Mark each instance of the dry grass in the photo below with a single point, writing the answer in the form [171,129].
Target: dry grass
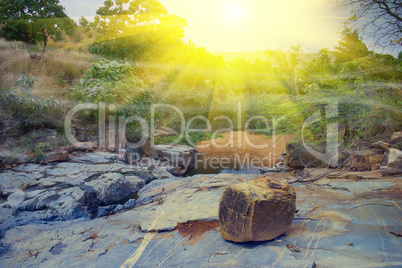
[56,71]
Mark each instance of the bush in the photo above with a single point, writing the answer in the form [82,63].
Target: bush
[22,112]
[108,81]
[373,67]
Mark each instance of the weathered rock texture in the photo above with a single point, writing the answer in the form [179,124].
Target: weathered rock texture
[259,210]
[297,155]
[391,162]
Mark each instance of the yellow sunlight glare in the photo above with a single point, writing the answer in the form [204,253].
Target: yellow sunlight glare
[249,25]
[234,12]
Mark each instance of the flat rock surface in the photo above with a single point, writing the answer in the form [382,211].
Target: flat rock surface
[340,222]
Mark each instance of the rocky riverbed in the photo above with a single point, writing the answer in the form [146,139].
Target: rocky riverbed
[95,211]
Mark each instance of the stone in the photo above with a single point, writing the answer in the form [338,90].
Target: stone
[112,188]
[84,146]
[95,158]
[56,156]
[270,170]
[381,145]
[362,160]
[105,210]
[136,182]
[161,173]
[130,155]
[39,202]
[396,137]
[15,199]
[298,156]
[181,158]
[391,162]
[258,210]
[14,159]
[146,149]
[11,182]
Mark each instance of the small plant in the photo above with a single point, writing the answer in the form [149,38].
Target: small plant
[39,151]
[25,83]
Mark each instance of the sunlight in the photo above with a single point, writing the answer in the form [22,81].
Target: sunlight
[234,12]
[253,25]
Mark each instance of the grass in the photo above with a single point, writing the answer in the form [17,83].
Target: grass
[56,71]
[259,55]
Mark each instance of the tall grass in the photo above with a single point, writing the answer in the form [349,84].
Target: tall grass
[56,71]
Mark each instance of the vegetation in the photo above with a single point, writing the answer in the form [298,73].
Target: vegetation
[34,22]
[380,19]
[143,31]
[147,63]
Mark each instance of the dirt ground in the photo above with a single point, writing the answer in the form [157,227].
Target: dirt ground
[258,150]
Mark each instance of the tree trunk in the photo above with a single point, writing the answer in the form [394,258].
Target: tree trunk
[44,42]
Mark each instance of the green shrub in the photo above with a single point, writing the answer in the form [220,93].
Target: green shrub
[373,67]
[108,81]
[114,83]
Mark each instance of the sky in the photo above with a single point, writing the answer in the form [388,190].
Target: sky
[247,25]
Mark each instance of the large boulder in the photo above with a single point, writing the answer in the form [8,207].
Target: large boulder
[391,162]
[258,210]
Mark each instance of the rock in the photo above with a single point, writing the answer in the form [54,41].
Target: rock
[105,210]
[130,155]
[11,182]
[56,156]
[391,162]
[258,210]
[15,199]
[14,159]
[270,170]
[298,156]
[40,201]
[95,158]
[130,204]
[162,173]
[112,187]
[182,158]
[146,149]
[396,137]
[84,146]
[136,182]
[362,160]
[381,145]
[82,133]
[73,204]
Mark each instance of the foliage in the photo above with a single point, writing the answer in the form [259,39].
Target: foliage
[22,112]
[379,19]
[39,150]
[33,22]
[115,83]
[377,66]
[142,31]
[350,47]
[108,81]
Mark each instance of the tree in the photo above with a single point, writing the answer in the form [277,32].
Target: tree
[33,22]
[350,47]
[135,30]
[380,19]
